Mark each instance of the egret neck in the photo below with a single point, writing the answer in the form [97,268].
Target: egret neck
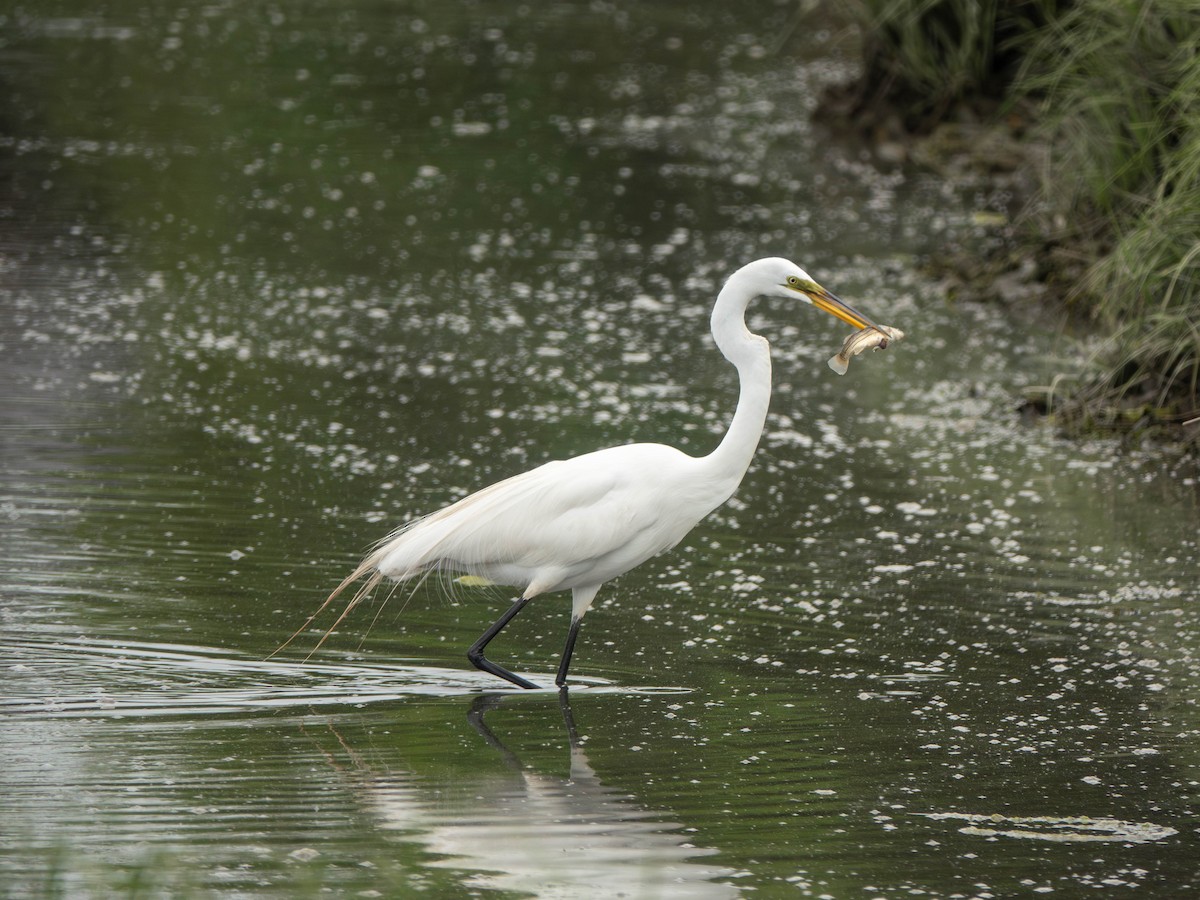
[751,356]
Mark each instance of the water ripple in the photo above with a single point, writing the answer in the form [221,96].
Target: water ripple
[149,679]
[1061,829]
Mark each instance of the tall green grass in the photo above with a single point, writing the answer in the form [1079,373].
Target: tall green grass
[1119,90]
[1116,84]
[924,58]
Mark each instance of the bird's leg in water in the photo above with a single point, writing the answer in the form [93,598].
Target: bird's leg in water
[572,634]
[475,652]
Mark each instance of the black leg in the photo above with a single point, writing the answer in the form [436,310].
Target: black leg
[561,680]
[475,652]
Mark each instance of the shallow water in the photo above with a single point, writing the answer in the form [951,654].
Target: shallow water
[276,278]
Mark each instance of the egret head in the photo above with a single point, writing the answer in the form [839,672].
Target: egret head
[775,277]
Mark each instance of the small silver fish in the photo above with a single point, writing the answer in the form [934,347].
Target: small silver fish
[876,337]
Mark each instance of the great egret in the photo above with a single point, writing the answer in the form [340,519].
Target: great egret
[576,523]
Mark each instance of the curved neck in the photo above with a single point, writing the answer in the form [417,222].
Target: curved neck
[751,355]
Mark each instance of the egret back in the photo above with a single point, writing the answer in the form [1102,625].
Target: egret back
[567,523]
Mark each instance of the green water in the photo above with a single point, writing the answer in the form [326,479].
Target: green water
[276,277]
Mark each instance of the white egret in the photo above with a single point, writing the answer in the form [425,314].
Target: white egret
[574,524]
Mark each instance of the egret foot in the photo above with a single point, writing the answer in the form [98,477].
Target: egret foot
[479,661]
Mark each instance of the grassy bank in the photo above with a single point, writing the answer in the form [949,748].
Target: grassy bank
[1110,92]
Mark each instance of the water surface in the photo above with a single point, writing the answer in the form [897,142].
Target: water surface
[278,277]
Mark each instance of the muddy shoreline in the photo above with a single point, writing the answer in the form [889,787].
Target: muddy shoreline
[977,146]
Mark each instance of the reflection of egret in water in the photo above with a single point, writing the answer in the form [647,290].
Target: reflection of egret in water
[548,836]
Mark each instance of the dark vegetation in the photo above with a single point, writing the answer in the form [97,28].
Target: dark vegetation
[1091,110]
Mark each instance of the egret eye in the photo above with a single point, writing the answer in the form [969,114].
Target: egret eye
[793,281]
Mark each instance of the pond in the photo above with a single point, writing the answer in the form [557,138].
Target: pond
[279,277]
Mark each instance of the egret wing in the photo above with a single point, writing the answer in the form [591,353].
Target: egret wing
[549,523]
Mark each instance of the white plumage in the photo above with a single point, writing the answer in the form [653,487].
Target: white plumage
[577,523]
[567,524]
